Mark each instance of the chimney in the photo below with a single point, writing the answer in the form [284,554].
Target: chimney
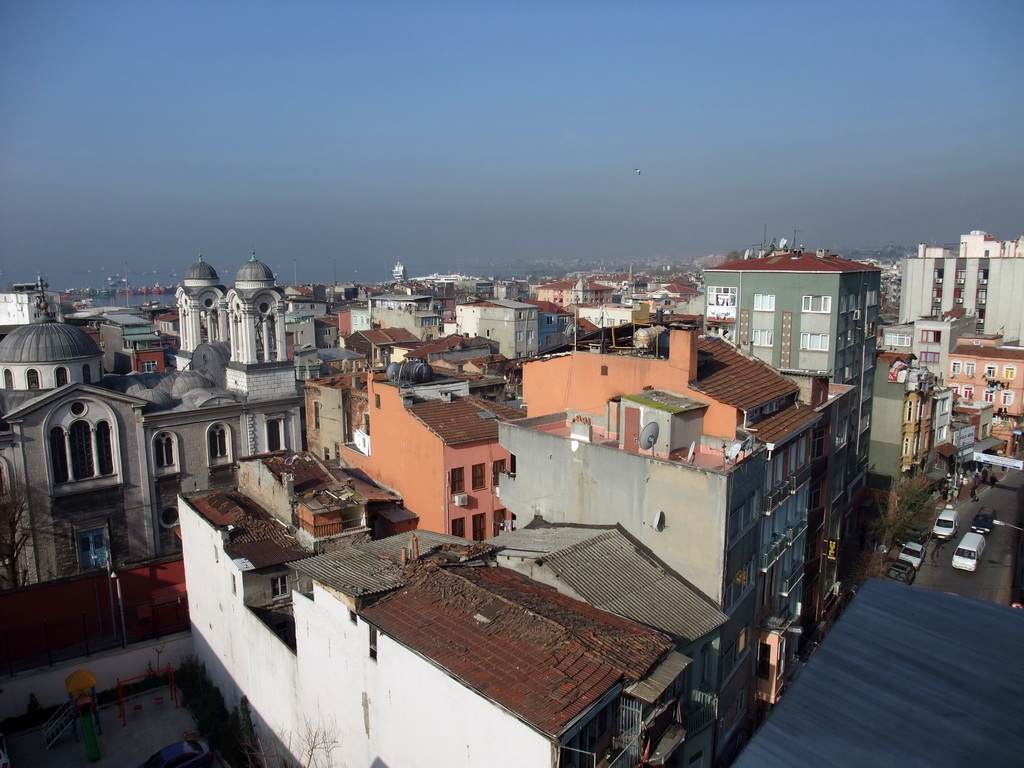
[415,547]
[405,557]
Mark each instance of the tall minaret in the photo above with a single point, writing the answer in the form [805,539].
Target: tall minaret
[398,273]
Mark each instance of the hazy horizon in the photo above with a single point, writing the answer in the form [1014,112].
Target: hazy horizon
[336,138]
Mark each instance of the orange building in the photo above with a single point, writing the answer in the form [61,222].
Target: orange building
[440,454]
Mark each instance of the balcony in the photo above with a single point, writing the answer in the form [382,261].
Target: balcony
[795,531]
[772,551]
[792,581]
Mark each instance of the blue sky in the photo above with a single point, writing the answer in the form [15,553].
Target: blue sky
[341,136]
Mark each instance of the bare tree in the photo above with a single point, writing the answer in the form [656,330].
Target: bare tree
[15,530]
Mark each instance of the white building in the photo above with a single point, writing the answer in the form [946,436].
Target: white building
[410,651]
[983,278]
[513,324]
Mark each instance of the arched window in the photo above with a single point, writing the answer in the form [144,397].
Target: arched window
[80,444]
[61,376]
[273,435]
[163,449]
[32,378]
[8,379]
[217,439]
[58,455]
[86,373]
[104,450]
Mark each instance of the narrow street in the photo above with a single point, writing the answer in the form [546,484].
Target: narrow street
[995,581]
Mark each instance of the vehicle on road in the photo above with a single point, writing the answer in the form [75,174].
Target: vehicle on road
[913,552]
[902,570]
[191,753]
[982,522]
[968,552]
[947,524]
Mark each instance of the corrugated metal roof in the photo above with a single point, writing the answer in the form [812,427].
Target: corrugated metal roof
[908,677]
[661,677]
[371,567]
[610,573]
[606,568]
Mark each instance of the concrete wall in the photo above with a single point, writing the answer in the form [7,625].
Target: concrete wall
[48,683]
[571,481]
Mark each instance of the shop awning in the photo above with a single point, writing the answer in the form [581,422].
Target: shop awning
[946,449]
[987,444]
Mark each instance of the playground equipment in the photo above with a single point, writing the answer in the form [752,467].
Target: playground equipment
[81,688]
[156,673]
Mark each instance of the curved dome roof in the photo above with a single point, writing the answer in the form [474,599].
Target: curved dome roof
[255,271]
[47,342]
[201,271]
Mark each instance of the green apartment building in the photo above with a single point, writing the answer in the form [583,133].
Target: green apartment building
[809,314]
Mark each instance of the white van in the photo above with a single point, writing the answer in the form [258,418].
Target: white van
[947,525]
[968,552]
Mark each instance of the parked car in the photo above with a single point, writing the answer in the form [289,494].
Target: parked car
[982,522]
[191,753]
[913,552]
[901,570]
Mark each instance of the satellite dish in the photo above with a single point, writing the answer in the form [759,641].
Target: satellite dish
[659,521]
[689,456]
[734,449]
[649,436]
[782,244]
[746,254]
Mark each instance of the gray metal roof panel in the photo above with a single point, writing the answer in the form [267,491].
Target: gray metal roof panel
[47,342]
[609,572]
[907,676]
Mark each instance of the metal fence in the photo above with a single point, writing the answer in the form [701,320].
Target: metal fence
[83,634]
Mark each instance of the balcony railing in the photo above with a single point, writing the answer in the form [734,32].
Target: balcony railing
[701,712]
[794,531]
[792,581]
[771,551]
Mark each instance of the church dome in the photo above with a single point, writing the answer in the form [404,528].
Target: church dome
[201,271]
[254,274]
[47,342]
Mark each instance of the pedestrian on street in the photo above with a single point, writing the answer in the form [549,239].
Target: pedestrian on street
[992,480]
[974,493]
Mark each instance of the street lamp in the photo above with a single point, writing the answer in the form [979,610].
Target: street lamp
[1008,525]
[120,603]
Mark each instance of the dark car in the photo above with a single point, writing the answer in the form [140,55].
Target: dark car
[982,522]
[191,753]
[901,570]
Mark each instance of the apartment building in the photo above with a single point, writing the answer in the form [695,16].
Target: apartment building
[983,277]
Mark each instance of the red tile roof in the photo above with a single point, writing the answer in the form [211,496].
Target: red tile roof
[459,421]
[543,656]
[254,534]
[386,335]
[443,344]
[548,307]
[784,423]
[678,289]
[992,353]
[310,475]
[734,379]
[795,262]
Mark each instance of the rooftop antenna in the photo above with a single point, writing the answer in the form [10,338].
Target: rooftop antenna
[126,283]
[649,436]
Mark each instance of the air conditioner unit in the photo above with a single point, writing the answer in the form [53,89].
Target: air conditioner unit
[938,280]
[497,491]
[460,499]
[856,314]
[983,281]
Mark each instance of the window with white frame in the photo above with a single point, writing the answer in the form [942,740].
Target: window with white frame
[968,393]
[872,298]
[764,302]
[908,415]
[969,368]
[955,367]
[1009,372]
[820,304]
[1007,397]
[989,396]
[929,357]
[817,342]
[721,297]
[149,366]
[907,444]
[218,440]
[897,340]
[278,586]
[763,338]
[990,371]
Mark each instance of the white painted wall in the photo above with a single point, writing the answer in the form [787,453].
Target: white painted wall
[399,708]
